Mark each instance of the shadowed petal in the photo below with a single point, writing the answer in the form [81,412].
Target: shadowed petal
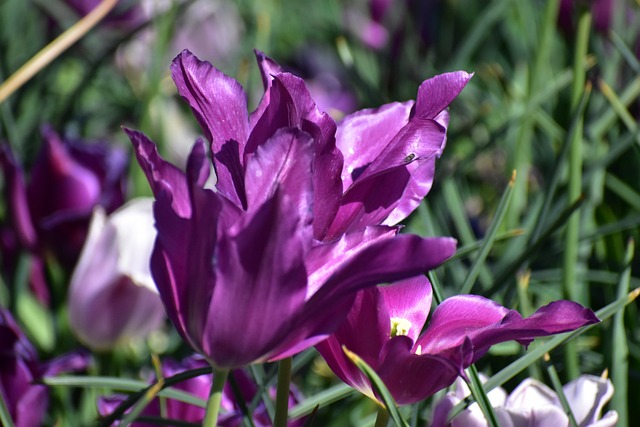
[283,162]
[268,69]
[259,272]
[162,175]
[383,261]
[411,377]
[401,175]
[325,258]
[366,311]
[16,195]
[291,106]
[59,183]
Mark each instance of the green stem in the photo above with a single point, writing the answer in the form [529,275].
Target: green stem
[282,393]
[383,417]
[215,397]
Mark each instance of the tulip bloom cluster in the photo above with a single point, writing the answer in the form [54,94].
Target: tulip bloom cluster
[302,216]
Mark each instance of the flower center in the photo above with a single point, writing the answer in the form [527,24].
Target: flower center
[399,326]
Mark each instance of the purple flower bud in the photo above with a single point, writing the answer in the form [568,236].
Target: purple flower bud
[112,296]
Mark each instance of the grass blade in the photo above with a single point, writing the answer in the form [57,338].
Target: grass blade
[620,347]
[489,239]
[378,386]
[324,398]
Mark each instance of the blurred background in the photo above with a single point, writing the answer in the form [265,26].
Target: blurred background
[554,97]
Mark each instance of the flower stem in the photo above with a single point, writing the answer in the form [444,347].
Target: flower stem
[215,397]
[383,417]
[282,393]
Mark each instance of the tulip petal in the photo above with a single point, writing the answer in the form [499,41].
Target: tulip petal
[587,396]
[283,162]
[363,135]
[383,261]
[268,68]
[219,103]
[401,174]
[411,377]
[290,105]
[16,194]
[534,417]
[75,187]
[436,93]
[487,323]
[365,312]
[162,175]
[260,271]
[408,299]
[324,259]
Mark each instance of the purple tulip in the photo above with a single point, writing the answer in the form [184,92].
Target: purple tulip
[278,240]
[231,413]
[20,369]
[384,324]
[112,296]
[534,404]
[51,212]
[67,181]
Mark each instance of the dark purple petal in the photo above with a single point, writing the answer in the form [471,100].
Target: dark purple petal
[284,162]
[220,105]
[16,195]
[259,273]
[332,353]
[291,105]
[218,101]
[268,69]
[367,311]
[198,167]
[411,377]
[436,93]
[59,183]
[363,135]
[408,299]
[162,175]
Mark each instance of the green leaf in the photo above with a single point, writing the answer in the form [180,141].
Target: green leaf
[378,385]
